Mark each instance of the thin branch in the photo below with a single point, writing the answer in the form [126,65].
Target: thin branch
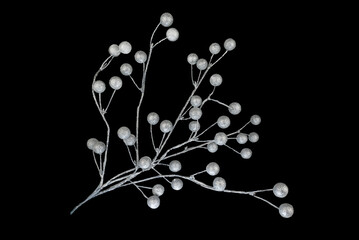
[133,80]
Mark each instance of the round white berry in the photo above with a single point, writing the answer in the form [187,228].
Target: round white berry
[195,113]
[246,153]
[99,147]
[153,118]
[158,190]
[212,168]
[166,126]
[242,138]
[140,56]
[280,190]
[214,48]
[219,184]
[99,86]
[192,58]
[220,138]
[114,50]
[130,141]
[234,108]
[253,137]
[126,69]
[177,184]
[196,101]
[145,163]
[172,34]
[202,64]
[125,47]
[286,210]
[123,133]
[216,80]
[229,44]
[91,143]
[223,122]
[115,82]
[166,19]
[175,166]
[194,126]
[255,120]
[153,202]
[212,147]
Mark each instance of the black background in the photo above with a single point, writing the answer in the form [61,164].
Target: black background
[268,74]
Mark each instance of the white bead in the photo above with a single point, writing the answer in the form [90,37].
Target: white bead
[220,138]
[215,48]
[223,122]
[212,168]
[196,101]
[234,108]
[91,143]
[140,56]
[99,86]
[172,34]
[153,118]
[246,153]
[145,163]
[126,69]
[192,58]
[158,190]
[253,137]
[177,184]
[216,80]
[280,190]
[153,202]
[286,210]
[166,19]
[125,47]
[255,119]
[166,126]
[99,147]
[194,126]
[229,44]
[242,138]
[212,147]
[219,184]
[202,64]
[130,141]
[175,166]
[195,113]
[123,133]
[115,82]
[114,50]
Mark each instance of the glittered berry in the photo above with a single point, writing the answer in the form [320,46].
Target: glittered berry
[145,163]
[192,58]
[196,101]
[223,122]
[219,184]
[125,47]
[130,141]
[195,113]
[175,166]
[91,143]
[123,133]
[242,138]
[153,202]
[220,138]
[115,82]
[280,190]
[172,34]
[194,126]
[177,184]
[158,190]
[212,168]
[255,119]
[114,50]
[216,80]
[166,126]
[246,153]
[140,56]
[153,118]
[253,137]
[286,210]
[126,69]
[214,48]
[234,108]
[99,86]
[229,44]
[202,64]
[166,19]
[99,147]
[212,147]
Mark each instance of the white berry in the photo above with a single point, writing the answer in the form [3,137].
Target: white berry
[195,113]
[99,86]
[253,137]
[145,163]
[126,69]
[175,166]
[242,138]
[246,153]
[286,210]
[255,120]
[99,147]
[130,141]
[114,50]
[192,58]
[234,108]
[125,47]
[212,147]
[158,190]
[219,184]
[172,34]
[229,44]
[153,118]
[166,19]
[115,82]
[202,64]
[216,80]
[177,184]
[140,56]
[220,138]
[223,122]
[91,143]
[214,48]
[153,202]
[166,126]
[196,101]
[280,190]
[194,126]
[123,133]
[212,168]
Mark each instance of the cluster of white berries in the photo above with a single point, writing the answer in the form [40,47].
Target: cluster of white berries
[280,190]
[125,134]
[96,146]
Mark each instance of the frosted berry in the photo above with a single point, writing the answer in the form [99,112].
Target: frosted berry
[194,126]
[153,118]
[253,137]
[145,163]
[219,184]
[242,138]
[246,153]
[196,101]
[140,56]
[234,108]
[280,190]
[255,120]
[166,19]
[172,34]
[91,143]
[214,48]
[223,122]
[177,184]
[158,190]
[212,147]
[126,69]
[115,82]
[123,133]
[99,147]
[130,141]
[114,50]
[175,166]
[153,202]
[286,210]
[229,44]
[195,113]
[125,47]
[202,64]
[216,80]
[166,126]
[220,138]
[212,168]
[192,58]
[99,86]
